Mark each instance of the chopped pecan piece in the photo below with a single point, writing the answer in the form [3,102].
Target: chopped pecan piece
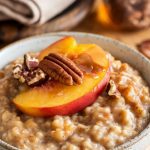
[35,77]
[62,69]
[17,73]
[29,72]
[30,63]
[112,89]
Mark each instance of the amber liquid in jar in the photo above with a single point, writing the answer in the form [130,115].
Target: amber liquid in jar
[104,15]
[125,14]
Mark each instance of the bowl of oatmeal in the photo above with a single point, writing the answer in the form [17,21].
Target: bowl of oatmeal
[118,119]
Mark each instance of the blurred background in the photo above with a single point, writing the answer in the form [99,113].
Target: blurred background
[127,21]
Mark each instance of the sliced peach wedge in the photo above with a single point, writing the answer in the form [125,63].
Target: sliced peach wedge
[63,46]
[54,98]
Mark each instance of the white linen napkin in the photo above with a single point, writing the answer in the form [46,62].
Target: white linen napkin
[30,12]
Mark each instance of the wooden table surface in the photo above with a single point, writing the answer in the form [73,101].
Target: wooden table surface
[91,25]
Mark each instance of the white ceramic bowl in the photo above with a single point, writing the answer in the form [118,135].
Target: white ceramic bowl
[117,49]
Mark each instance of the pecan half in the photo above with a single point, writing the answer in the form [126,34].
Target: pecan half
[68,62]
[61,68]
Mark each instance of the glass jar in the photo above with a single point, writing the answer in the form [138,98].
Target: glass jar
[124,14]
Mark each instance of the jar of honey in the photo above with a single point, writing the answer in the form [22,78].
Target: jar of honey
[124,14]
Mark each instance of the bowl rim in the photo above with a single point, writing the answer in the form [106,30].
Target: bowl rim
[125,145]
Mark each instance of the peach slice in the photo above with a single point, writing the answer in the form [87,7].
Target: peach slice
[54,98]
[57,99]
[96,53]
[63,46]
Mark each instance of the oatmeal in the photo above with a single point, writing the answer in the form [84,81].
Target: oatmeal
[69,97]
[117,116]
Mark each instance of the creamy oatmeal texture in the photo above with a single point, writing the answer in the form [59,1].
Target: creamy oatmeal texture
[110,121]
